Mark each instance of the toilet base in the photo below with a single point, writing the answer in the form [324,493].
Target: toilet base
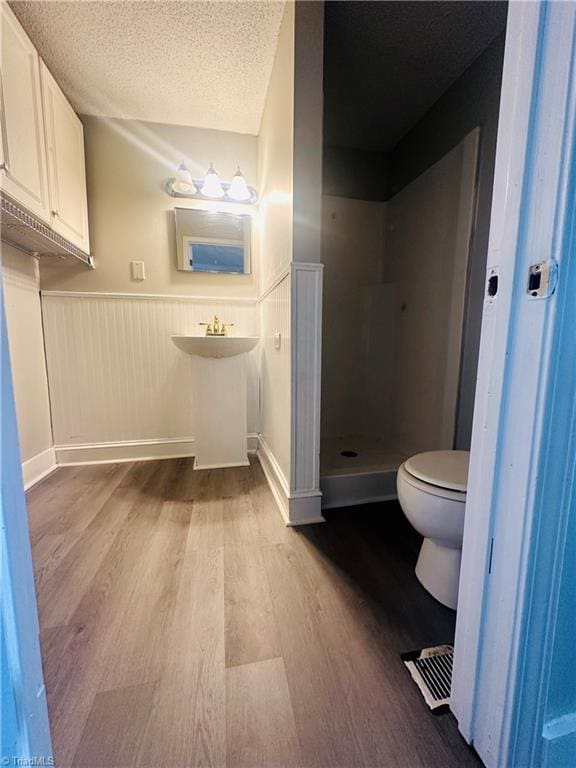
[438,570]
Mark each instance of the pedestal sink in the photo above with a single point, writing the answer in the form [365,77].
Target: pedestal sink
[219,402]
[215,346]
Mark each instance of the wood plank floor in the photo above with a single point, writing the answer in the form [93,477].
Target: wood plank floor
[182,624]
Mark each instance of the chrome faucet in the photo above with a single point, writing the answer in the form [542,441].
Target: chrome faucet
[216,328]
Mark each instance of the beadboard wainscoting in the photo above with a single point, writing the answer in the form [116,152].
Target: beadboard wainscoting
[21,283]
[288,446]
[119,388]
[274,442]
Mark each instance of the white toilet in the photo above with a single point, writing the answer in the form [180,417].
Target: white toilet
[432,494]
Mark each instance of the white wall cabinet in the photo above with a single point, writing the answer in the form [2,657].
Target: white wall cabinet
[23,173]
[42,163]
[66,164]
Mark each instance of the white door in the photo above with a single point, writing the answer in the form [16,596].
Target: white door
[24,726]
[66,166]
[514,678]
[23,172]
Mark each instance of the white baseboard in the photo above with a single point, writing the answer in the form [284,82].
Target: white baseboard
[276,479]
[306,509]
[132,450]
[38,467]
[222,466]
[297,509]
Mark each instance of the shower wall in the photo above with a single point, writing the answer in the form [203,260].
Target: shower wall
[428,239]
[358,320]
[394,295]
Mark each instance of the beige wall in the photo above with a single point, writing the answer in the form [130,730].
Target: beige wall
[290,145]
[308,138]
[25,337]
[276,159]
[131,216]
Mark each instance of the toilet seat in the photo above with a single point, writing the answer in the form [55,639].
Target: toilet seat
[433,490]
[446,471]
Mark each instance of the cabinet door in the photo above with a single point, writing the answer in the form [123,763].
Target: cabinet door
[66,166]
[23,163]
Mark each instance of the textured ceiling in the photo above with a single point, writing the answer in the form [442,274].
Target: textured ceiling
[386,63]
[189,62]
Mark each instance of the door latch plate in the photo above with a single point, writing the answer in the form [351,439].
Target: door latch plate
[542,279]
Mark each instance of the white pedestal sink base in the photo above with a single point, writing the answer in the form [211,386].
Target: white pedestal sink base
[220,412]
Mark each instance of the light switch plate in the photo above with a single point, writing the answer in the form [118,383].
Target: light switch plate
[138,270]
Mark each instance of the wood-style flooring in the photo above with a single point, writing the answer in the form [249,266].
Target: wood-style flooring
[182,624]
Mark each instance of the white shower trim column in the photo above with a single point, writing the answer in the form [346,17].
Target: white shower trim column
[298,495]
[306,371]
[295,508]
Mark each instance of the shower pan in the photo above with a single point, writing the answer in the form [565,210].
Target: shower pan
[394,312]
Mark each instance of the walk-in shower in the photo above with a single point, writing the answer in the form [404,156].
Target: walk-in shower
[395,282]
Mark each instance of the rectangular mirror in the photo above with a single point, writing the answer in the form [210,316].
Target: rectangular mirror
[209,241]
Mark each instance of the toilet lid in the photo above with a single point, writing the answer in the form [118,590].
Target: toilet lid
[444,469]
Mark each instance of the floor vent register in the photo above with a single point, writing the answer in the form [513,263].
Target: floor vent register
[431,670]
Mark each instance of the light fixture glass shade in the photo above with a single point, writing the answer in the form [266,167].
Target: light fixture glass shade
[183,175]
[212,186]
[183,182]
[238,189]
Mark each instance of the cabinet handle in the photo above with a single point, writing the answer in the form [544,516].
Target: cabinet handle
[4,167]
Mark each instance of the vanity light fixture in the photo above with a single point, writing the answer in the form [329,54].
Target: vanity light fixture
[211,187]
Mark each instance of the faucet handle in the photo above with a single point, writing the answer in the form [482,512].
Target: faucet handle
[224,327]
[208,328]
